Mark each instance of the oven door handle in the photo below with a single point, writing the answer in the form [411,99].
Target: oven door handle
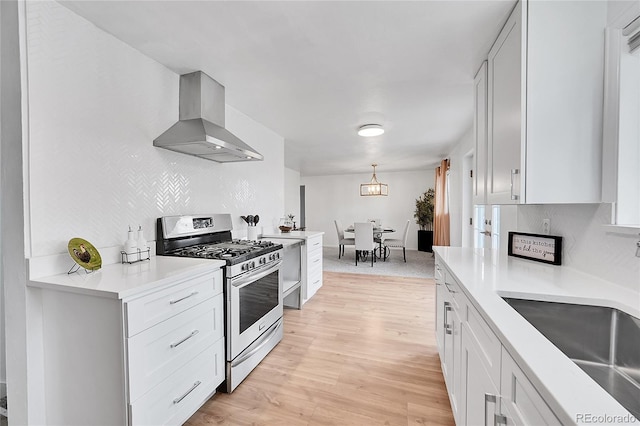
[246,280]
[263,340]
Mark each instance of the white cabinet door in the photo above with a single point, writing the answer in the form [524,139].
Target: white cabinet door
[440,297]
[454,394]
[480,135]
[521,404]
[479,390]
[505,112]
[449,303]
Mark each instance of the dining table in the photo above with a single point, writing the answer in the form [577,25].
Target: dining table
[381,252]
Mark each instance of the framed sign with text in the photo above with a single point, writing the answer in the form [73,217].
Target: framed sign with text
[541,248]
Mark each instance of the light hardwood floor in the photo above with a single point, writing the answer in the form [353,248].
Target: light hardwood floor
[362,351]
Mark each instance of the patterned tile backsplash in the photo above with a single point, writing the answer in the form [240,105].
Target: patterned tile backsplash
[95,106]
[587,246]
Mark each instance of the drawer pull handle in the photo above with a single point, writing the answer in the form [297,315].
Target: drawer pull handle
[500,419]
[193,333]
[447,329]
[316,261]
[513,173]
[173,302]
[316,282]
[488,398]
[449,287]
[447,308]
[195,385]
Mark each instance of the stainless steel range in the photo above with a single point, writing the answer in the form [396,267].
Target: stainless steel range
[253,285]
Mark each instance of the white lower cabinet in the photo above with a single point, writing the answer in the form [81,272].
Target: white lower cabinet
[149,359]
[312,267]
[449,337]
[485,384]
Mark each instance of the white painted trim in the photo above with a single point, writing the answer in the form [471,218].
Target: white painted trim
[26,156]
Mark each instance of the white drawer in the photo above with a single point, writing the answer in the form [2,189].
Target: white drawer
[314,243]
[175,399]
[314,259]
[314,280]
[490,346]
[149,310]
[164,348]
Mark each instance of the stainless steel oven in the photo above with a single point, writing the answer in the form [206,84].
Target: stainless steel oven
[254,317]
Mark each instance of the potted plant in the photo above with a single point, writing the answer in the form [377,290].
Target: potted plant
[424,219]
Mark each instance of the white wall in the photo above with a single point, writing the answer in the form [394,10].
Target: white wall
[587,245]
[457,176]
[95,106]
[292,194]
[13,268]
[338,197]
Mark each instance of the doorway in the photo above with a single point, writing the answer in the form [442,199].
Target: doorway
[467,200]
[303,219]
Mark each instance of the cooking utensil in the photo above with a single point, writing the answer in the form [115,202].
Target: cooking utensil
[244,218]
[250,220]
[256,219]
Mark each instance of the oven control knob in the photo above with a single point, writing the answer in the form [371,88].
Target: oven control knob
[263,260]
[277,255]
[245,267]
[253,265]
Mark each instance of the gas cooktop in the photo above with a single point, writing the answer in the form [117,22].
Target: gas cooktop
[233,251]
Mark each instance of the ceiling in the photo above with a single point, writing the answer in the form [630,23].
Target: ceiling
[315,71]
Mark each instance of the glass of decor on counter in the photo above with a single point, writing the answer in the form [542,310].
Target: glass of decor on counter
[286,223]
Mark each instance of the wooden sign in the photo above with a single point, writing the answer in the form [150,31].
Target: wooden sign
[541,248]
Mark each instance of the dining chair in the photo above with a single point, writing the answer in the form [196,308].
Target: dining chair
[342,241]
[398,243]
[364,240]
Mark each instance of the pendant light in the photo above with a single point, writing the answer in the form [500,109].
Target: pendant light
[374,187]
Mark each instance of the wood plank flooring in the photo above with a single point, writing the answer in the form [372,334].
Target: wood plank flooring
[362,351]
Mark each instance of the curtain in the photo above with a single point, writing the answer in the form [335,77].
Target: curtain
[441,208]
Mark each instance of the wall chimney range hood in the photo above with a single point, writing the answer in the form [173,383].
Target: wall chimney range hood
[200,130]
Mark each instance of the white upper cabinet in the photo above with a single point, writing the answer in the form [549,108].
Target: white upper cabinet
[504,115]
[480,135]
[545,93]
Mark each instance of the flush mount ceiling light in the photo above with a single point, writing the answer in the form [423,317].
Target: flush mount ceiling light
[369,130]
[374,187]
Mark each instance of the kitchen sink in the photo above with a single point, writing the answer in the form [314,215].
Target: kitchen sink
[603,342]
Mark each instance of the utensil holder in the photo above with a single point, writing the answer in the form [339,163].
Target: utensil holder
[252,233]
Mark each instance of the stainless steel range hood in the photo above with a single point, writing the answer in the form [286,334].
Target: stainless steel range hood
[200,131]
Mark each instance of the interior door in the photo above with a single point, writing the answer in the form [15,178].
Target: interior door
[486,227]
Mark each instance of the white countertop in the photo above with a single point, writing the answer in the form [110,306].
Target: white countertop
[286,242]
[564,386]
[301,235]
[120,281]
